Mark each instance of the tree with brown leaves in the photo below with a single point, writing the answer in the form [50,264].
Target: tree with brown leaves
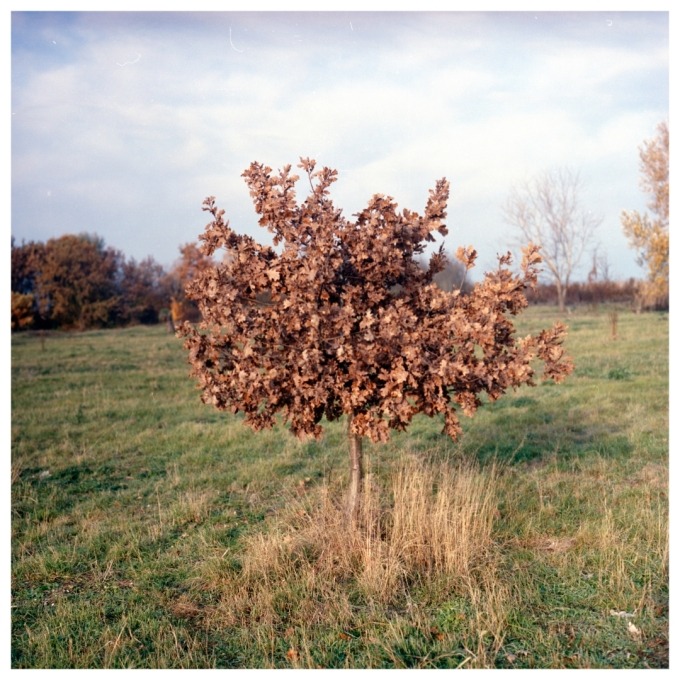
[190,263]
[76,284]
[342,320]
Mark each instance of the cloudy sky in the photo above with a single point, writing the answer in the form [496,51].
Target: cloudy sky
[122,123]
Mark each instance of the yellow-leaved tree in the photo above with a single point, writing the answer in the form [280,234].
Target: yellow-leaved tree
[649,235]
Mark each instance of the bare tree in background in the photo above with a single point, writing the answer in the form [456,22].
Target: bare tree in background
[547,211]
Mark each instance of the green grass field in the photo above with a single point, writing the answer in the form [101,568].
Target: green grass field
[151,531]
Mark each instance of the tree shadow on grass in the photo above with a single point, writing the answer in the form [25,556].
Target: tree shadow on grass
[524,430]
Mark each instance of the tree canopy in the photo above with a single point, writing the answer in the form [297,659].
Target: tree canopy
[351,324]
[650,236]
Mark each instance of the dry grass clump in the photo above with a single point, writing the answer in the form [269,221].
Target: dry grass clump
[433,522]
[428,531]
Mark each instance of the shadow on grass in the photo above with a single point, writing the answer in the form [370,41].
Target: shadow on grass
[524,430]
[518,429]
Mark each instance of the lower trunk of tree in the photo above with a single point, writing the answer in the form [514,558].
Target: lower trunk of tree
[562,296]
[356,473]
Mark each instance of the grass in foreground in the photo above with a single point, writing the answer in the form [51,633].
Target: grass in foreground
[150,531]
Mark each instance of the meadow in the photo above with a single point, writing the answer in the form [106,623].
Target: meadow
[151,531]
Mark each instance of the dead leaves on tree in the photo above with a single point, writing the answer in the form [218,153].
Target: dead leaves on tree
[344,320]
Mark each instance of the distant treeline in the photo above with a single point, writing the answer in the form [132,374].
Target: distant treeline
[78,282]
[625,293]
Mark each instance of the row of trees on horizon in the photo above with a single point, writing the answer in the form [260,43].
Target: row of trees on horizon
[78,282]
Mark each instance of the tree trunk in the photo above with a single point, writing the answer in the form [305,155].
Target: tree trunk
[561,296]
[356,473]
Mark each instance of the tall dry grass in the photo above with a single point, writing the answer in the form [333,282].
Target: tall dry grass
[428,525]
[433,521]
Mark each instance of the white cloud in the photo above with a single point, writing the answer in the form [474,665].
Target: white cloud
[131,120]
